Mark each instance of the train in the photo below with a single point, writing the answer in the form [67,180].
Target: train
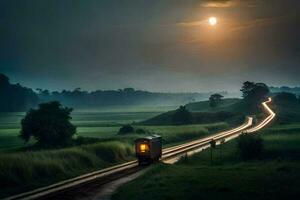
[148,149]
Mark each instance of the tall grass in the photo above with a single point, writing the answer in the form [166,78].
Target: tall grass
[26,170]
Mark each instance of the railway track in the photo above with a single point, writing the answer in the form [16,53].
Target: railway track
[267,120]
[106,175]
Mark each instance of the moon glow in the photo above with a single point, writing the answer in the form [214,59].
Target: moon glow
[212,21]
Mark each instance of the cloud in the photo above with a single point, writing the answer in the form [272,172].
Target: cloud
[192,23]
[218,3]
[228,3]
[257,23]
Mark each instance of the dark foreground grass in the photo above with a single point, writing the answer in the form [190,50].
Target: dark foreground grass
[22,171]
[276,176]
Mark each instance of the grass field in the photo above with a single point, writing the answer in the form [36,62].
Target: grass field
[276,176]
[89,124]
[22,169]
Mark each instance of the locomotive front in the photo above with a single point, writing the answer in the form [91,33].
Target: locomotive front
[148,149]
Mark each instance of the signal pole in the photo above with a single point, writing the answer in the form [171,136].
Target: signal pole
[212,145]
[221,144]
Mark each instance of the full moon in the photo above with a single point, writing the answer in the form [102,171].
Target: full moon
[212,21]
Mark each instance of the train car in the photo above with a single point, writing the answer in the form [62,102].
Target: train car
[148,149]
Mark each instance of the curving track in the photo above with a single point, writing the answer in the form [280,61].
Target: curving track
[267,120]
[79,184]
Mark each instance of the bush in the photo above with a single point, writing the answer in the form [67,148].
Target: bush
[49,125]
[250,147]
[126,129]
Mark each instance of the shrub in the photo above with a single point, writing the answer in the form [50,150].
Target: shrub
[250,147]
[126,129]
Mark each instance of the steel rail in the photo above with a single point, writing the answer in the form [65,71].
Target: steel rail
[67,184]
[266,121]
[204,142]
[247,124]
[175,151]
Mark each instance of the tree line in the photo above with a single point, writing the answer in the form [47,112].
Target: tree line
[295,90]
[122,97]
[14,97]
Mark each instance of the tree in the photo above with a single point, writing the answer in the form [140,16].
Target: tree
[49,124]
[182,116]
[215,99]
[254,92]
[247,88]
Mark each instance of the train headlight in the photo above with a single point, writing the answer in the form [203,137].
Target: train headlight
[143,148]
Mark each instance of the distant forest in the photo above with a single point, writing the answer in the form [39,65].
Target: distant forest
[14,97]
[295,90]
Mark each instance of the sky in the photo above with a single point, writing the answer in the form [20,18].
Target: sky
[157,45]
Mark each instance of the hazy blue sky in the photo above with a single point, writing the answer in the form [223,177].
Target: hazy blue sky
[157,45]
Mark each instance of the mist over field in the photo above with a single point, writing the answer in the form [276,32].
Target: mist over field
[15,97]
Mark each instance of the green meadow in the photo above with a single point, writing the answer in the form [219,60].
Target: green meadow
[97,124]
[275,176]
[23,168]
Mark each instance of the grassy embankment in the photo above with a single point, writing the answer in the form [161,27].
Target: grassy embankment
[231,111]
[276,176]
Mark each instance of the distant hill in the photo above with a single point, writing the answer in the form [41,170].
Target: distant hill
[199,118]
[229,110]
